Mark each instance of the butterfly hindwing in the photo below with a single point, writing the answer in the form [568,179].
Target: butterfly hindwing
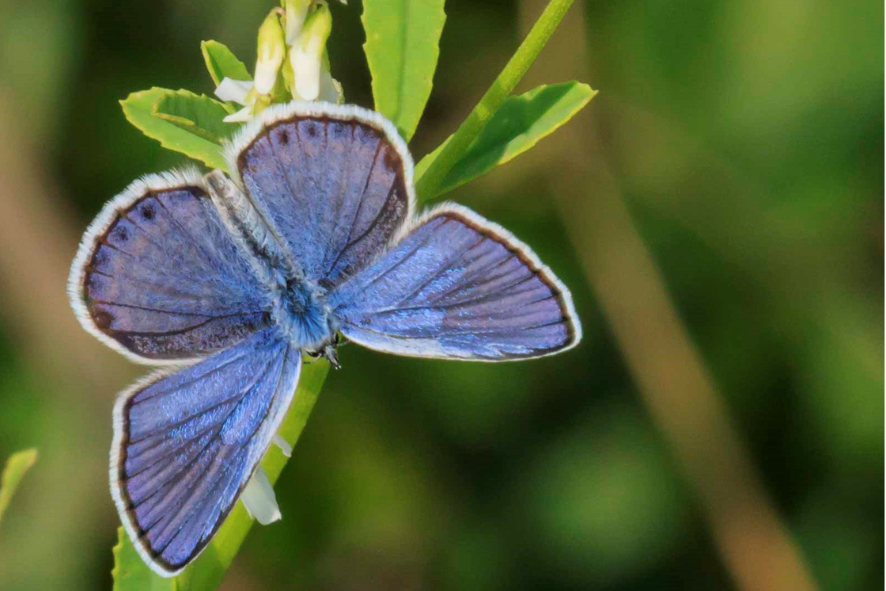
[458,287]
[158,277]
[186,444]
[333,183]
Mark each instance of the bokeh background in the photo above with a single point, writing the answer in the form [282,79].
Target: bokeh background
[717,211]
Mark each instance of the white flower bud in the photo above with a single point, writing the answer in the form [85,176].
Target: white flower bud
[271,53]
[306,55]
[296,11]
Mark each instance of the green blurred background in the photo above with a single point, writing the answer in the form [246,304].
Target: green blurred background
[745,140]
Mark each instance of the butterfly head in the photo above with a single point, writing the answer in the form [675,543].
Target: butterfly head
[302,314]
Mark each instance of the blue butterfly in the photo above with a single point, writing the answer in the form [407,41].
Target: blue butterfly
[230,282]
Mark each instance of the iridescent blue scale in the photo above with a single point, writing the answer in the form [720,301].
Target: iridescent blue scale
[230,282]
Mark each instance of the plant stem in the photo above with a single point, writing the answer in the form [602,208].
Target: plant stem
[429,184]
[670,373]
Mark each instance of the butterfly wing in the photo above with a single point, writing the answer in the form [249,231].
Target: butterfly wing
[158,277]
[333,184]
[458,287]
[186,444]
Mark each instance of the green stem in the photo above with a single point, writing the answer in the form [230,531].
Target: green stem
[430,183]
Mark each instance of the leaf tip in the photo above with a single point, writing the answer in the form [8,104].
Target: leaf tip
[29,456]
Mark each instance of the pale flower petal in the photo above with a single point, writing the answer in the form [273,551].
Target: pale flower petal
[266,75]
[259,499]
[296,12]
[233,90]
[270,54]
[244,114]
[330,89]
[283,445]
[306,69]
[306,56]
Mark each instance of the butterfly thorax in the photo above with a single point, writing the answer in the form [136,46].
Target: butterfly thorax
[301,311]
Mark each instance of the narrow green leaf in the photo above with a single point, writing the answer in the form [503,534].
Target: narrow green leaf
[222,63]
[435,175]
[197,114]
[209,569]
[517,126]
[130,573]
[16,466]
[402,47]
[140,110]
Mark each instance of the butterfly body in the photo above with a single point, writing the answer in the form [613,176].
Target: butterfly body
[302,313]
[230,281]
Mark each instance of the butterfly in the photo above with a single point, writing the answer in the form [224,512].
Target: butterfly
[228,283]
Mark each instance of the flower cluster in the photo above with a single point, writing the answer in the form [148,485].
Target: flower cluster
[291,61]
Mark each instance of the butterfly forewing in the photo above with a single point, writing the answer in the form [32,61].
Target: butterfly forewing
[458,287]
[333,183]
[187,443]
[159,278]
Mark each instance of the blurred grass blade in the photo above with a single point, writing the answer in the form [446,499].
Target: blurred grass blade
[140,110]
[197,114]
[16,467]
[207,572]
[520,123]
[435,175]
[222,63]
[402,47]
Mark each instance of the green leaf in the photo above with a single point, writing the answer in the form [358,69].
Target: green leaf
[140,109]
[517,126]
[436,173]
[222,63]
[16,466]
[207,572]
[402,47]
[197,114]
[130,572]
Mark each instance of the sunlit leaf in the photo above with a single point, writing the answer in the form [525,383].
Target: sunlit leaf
[140,110]
[222,63]
[402,47]
[436,173]
[207,572]
[518,125]
[197,114]
[16,466]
